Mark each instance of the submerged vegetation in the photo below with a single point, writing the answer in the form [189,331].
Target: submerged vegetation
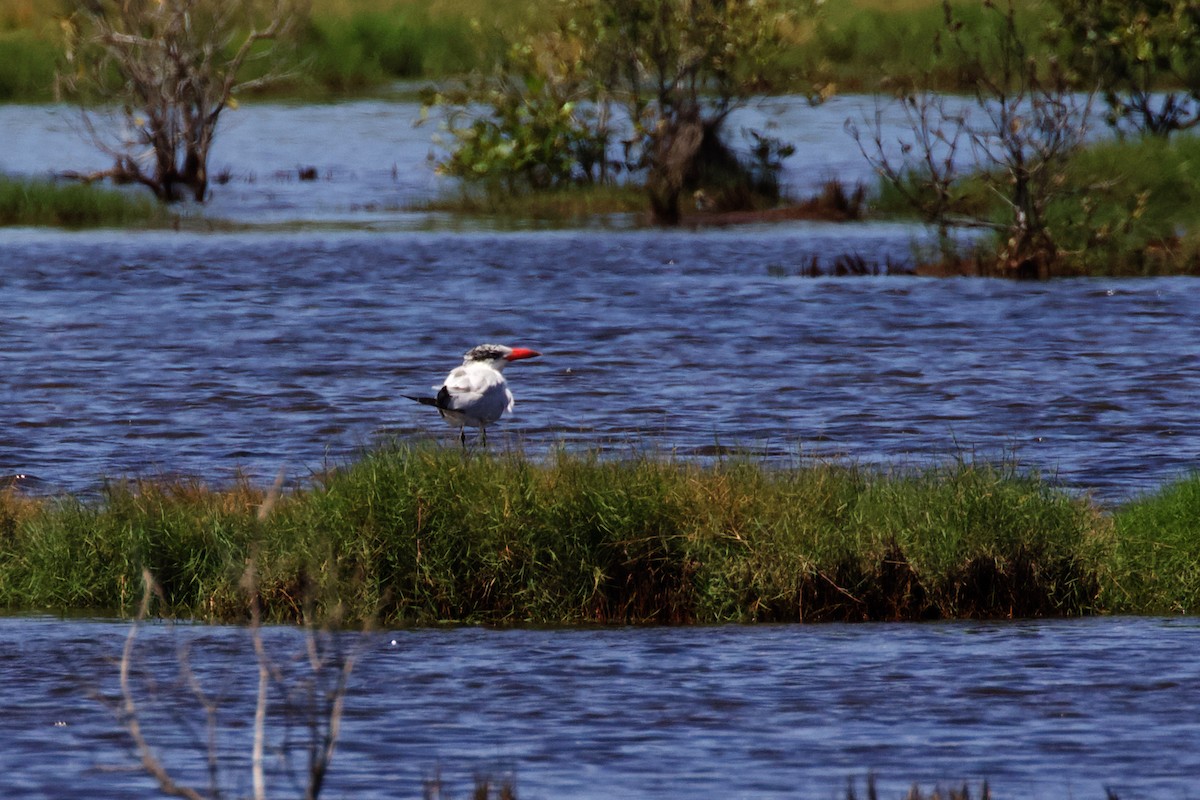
[429,535]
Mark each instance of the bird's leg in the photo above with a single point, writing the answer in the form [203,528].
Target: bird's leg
[483,435]
[462,437]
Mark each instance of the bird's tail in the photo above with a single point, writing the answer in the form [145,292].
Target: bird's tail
[425,401]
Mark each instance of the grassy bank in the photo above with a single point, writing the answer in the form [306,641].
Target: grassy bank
[356,46]
[343,47]
[74,205]
[30,46]
[426,535]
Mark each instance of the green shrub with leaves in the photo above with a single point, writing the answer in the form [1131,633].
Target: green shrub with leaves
[544,125]
[675,70]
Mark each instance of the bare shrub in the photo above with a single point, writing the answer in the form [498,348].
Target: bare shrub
[168,69]
[1024,120]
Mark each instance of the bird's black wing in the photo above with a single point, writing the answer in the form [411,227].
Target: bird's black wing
[443,400]
[425,401]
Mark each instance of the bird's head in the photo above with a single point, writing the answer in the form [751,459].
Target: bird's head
[497,355]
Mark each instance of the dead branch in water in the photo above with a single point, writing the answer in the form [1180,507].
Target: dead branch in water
[317,695]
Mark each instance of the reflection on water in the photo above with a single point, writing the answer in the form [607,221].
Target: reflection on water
[1038,709]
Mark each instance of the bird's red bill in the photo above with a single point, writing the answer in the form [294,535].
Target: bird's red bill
[521,352]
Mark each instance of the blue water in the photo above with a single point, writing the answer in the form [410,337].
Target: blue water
[1037,709]
[202,354]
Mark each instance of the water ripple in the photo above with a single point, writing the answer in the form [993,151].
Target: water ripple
[272,349]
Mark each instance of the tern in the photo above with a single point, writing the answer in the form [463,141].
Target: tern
[476,393]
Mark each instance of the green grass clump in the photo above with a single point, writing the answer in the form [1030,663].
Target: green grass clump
[1155,564]
[70,554]
[987,538]
[430,535]
[74,205]
[28,64]
[565,205]
[961,541]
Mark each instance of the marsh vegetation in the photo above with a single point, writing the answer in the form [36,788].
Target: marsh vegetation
[73,205]
[559,108]
[427,535]
[420,535]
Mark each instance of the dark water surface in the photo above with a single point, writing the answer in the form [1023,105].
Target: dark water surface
[1038,709]
[167,353]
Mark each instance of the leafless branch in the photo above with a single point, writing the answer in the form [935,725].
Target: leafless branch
[325,684]
[211,710]
[130,716]
[249,585]
[178,65]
